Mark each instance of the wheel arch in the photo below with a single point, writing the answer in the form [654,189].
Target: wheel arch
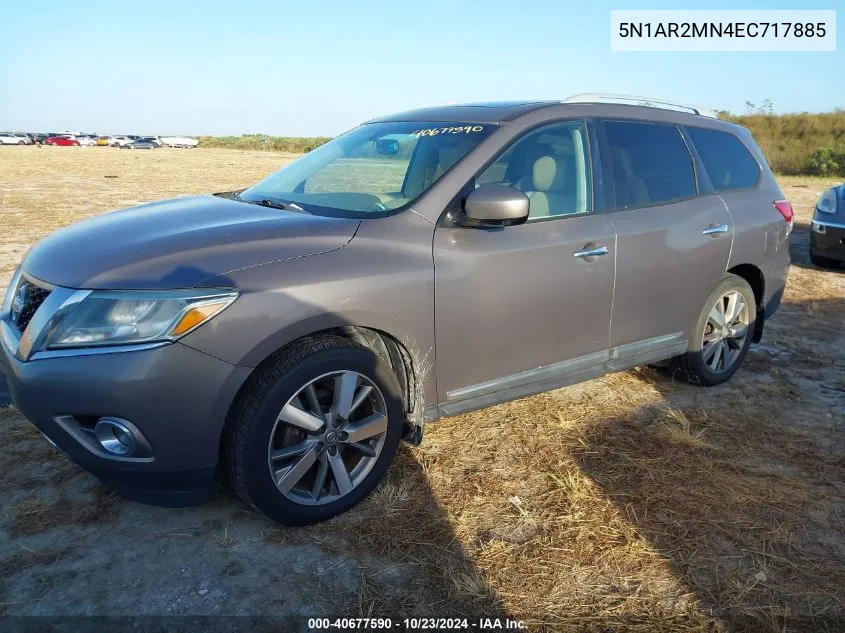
[408,367]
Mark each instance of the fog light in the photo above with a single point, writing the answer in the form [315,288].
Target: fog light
[114,437]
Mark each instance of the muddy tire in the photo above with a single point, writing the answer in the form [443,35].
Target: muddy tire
[314,430]
[721,336]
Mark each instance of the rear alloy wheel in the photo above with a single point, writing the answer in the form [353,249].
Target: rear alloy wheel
[315,431]
[725,332]
[722,335]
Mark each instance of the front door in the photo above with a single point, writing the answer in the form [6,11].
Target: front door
[525,308]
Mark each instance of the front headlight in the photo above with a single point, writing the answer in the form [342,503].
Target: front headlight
[827,203]
[132,317]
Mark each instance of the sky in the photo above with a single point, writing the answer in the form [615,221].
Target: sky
[318,68]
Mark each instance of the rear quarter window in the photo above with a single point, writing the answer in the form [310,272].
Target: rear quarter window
[727,161]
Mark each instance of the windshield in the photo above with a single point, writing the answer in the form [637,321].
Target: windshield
[373,169]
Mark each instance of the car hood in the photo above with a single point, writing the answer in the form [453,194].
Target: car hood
[179,243]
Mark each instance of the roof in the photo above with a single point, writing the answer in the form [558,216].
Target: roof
[504,111]
[488,112]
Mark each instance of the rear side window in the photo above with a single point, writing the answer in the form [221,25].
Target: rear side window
[728,163]
[651,163]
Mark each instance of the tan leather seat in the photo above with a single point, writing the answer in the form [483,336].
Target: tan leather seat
[631,190]
[547,188]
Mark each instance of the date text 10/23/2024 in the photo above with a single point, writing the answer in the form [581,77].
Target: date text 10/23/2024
[416,624]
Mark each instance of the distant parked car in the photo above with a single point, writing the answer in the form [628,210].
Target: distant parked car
[178,141]
[87,140]
[103,140]
[827,231]
[119,141]
[41,137]
[140,144]
[152,139]
[7,138]
[26,137]
[63,139]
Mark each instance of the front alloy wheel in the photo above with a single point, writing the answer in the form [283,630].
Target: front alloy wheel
[314,430]
[327,438]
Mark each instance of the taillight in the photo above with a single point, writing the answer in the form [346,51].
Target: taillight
[785,209]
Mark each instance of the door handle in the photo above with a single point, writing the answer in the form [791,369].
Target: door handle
[591,250]
[715,230]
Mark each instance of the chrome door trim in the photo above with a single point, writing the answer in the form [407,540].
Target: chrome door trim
[558,375]
[576,364]
[630,355]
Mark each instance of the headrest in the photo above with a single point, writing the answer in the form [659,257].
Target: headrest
[543,173]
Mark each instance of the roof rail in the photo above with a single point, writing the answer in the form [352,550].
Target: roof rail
[598,97]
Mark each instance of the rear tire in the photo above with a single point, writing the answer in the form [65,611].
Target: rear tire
[716,349]
[297,475]
[823,262]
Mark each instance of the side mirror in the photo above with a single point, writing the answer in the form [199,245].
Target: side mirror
[495,205]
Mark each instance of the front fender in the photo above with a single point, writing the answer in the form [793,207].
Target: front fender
[382,280]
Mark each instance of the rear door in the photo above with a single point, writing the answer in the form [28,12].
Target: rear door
[520,309]
[673,239]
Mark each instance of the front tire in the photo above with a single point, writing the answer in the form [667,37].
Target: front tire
[314,431]
[721,336]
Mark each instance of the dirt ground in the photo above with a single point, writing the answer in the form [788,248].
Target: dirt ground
[630,502]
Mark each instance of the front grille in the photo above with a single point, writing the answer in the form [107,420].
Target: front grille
[27,299]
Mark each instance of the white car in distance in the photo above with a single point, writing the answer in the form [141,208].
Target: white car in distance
[7,138]
[178,141]
[119,141]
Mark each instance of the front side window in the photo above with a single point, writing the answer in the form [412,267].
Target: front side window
[552,166]
[728,163]
[651,163]
[375,168]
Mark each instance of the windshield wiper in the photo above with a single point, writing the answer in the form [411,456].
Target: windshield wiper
[277,204]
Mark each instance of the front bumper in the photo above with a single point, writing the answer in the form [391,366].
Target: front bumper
[178,398]
[827,240]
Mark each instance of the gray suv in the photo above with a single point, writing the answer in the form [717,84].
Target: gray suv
[425,264]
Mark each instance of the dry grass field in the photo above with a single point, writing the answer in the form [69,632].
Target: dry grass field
[627,503]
